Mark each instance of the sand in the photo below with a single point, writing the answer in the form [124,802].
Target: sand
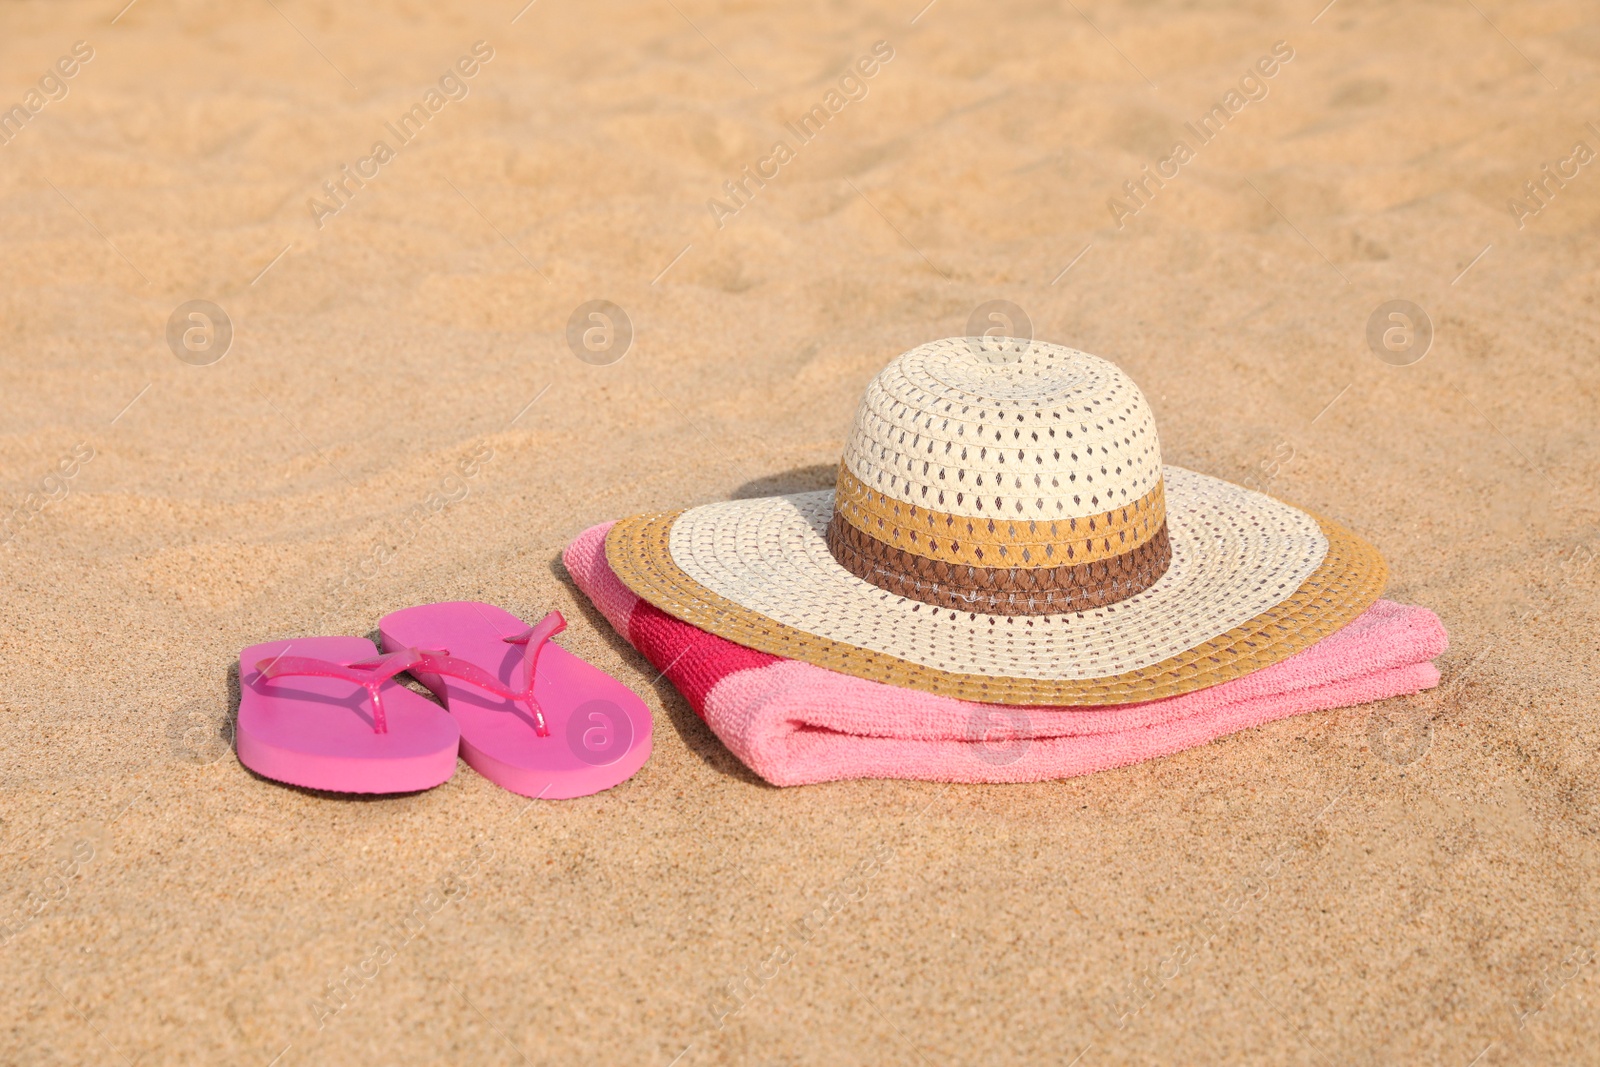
[1413,882]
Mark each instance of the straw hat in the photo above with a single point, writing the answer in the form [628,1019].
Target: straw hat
[1003,530]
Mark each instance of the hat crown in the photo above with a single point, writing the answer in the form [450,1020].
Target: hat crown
[1005,429]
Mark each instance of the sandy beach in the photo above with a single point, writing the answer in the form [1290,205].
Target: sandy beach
[390,216]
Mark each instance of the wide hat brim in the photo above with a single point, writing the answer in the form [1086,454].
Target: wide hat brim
[1252,581]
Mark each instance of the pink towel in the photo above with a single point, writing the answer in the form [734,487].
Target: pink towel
[795,723]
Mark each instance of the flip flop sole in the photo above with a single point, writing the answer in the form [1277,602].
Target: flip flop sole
[317,732]
[600,731]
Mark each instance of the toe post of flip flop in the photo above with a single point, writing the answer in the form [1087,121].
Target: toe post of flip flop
[534,718]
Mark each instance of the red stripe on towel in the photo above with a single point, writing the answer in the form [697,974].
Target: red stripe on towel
[692,659]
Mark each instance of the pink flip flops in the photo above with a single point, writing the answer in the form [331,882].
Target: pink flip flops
[327,713]
[534,718]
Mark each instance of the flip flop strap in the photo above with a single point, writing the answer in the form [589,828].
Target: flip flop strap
[533,642]
[535,638]
[370,674]
[451,667]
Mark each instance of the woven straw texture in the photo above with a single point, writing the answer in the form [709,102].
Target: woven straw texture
[1036,432]
[1252,582]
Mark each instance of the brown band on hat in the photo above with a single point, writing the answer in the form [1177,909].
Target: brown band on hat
[998,590]
[997,541]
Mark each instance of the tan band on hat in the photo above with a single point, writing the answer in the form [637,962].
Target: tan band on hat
[999,542]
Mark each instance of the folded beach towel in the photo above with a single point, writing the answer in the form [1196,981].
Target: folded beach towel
[795,723]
